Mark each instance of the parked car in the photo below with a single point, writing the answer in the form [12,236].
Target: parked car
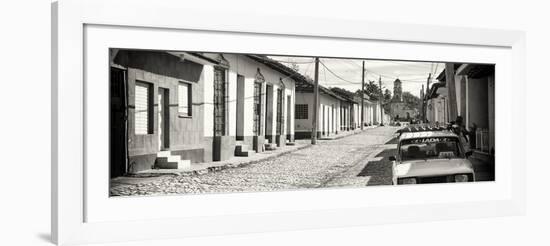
[431,157]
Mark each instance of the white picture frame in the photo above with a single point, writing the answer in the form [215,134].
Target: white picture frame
[79,216]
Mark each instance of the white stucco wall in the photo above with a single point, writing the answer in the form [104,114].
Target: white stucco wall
[328,116]
[208,78]
[303,125]
[242,65]
[368,116]
[231,102]
[325,116]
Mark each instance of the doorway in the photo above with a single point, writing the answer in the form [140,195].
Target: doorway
[118,134]
[240,108]
[279,115]
[288,117]
[269,113]
[333,115]
[163,119]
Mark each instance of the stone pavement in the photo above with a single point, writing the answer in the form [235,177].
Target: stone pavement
[312,167]
[375,169]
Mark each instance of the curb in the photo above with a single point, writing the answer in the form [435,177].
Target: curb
[351,134]
[216,168]
[231,165]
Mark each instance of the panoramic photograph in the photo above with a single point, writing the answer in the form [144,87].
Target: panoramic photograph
[189,122]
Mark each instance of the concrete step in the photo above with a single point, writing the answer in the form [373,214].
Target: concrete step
[241,148]
[181,164]
[246,153]
[167,165]
[171,158]
[164,153]
[165,160]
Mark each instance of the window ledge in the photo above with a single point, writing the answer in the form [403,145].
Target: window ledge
[184,116]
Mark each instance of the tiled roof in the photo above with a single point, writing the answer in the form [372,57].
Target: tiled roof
[303,83]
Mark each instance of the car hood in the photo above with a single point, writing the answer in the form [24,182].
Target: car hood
[433,167]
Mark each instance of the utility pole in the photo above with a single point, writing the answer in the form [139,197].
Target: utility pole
[450,80]
[422,97]
[426,96]
[316,103]
[363,97]
[380,101]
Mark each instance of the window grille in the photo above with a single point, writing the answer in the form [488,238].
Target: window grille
[279,111]
[257,108]
[219,102]
[301,111]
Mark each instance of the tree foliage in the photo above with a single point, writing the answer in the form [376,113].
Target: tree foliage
[371,89]
[387,95]
[342,92]
[411,100]
[387,100]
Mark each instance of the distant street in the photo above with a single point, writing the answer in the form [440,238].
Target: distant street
[352,161]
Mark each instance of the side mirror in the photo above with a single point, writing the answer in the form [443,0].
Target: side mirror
[468,153]
[392,158]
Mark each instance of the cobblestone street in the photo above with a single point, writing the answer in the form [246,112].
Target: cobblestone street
[330,163]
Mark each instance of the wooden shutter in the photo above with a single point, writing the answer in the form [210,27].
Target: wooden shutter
[184,99]
[142,108]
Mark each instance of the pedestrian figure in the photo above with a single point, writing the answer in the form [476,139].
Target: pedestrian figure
[472,135]
[459,129]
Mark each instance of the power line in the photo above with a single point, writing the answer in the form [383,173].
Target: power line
[293,62]
[386,76]
[337,76]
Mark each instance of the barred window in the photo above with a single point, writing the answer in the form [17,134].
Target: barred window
[219,102]
[301,111]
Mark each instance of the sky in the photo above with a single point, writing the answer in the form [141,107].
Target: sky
[346,73]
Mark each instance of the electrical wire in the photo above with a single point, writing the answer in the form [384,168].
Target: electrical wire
[294,62]
[337,76]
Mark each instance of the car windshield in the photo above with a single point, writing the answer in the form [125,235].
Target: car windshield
[430,148]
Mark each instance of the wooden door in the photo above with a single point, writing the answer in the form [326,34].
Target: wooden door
[163,119]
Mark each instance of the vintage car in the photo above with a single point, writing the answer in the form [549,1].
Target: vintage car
[431,157]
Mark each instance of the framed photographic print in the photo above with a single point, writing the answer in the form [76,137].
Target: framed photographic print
[176,125]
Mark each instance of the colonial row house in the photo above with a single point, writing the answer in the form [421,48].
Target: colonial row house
[351,110]
[437,104]
[475,100]
[339,111]
[371,108]
[174,109]
[334,111]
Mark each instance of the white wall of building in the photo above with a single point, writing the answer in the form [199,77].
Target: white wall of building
[242,65]
[208,79]
[329,116]
[369,113]
[231,105]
